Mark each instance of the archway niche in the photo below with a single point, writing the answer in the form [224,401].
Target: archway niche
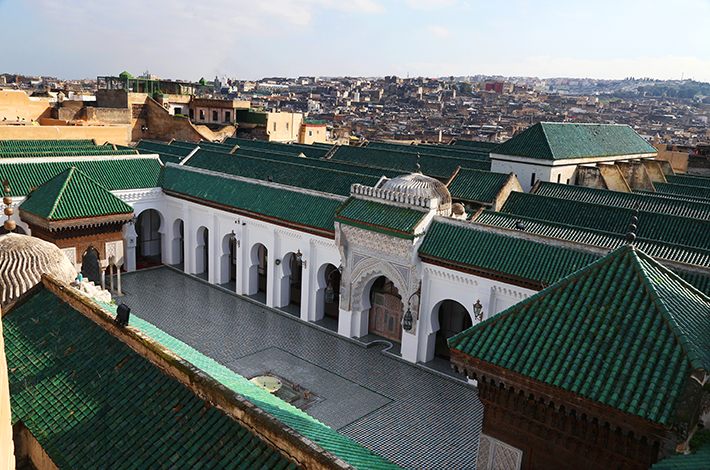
[149,245]
[258,272]
[179,243]
[386,310]
[91,265]
[291,281]
[228,261]
[202,252]
[328,277]
[453,319]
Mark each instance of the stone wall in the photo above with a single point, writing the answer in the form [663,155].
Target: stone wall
[114,134]
[16,103]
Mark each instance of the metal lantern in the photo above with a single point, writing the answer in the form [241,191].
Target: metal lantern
[329,294]
[407,321]
[478,310]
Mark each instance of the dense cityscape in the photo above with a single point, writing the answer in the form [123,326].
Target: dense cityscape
[463,272]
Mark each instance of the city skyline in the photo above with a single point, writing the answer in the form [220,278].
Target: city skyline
[183,40]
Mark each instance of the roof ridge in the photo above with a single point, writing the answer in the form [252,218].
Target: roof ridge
[70,172]
[678,330]
[523,303]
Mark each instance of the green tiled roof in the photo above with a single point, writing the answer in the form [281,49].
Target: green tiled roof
[291,173]
[645,202]
[699,281]
[689,180]
[67,152]
[523,259]
[623,332]
[475,144]
[477,185]
[22,145]
[334,442]
[147,146]
[697,461]
[557,141]
[587,236]
[295,149]
[71,195]
[92,402]
[112,174]
[287,205]
[651,226]
[393,220]
[441,166]
[286,157]
[699,192]
[436,150]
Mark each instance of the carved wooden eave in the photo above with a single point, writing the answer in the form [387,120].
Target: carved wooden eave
[74,224]
[480,370]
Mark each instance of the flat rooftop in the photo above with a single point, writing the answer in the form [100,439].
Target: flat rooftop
[412,416]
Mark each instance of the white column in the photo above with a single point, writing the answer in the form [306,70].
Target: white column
[129,246]
[190,237]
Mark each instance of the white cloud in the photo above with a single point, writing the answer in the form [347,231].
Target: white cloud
[429,4]
[440,31]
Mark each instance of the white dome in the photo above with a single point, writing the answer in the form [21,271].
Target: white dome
[424,186]
[23,260]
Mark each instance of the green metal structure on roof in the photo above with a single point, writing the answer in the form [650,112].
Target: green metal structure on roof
[693,461]
[92,402]
[72,195]
[624,332]
[559,141]
[391,220]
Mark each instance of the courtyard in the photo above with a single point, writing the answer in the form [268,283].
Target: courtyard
[410,414]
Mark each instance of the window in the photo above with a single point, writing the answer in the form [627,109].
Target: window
[532,179]
[227,116]
[286,127]
[215,116]
[192,114]
[559,177]
[178,110]
[202,115]
[310,133]
[274,127]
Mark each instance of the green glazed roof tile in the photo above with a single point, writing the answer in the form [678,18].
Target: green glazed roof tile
[695,461]
[669,228]
[80,391]
[393,220]
[587,236]
[649,202]
[621,332]
[689,180]
[468,245]
[331,440]
[112,174]
[557,141]
[281,203]
[70,195]
[477,185]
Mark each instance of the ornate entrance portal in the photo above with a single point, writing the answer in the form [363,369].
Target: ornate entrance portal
[386,310]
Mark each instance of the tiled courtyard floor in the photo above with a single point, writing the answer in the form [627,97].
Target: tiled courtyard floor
[413,417]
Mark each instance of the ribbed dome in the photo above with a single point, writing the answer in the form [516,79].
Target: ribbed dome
[421,185]
[23,260]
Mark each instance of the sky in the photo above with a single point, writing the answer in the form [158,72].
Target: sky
[252,39]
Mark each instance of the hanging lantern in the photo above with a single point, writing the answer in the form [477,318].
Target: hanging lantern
[478,310]
[329,294]
[407,321]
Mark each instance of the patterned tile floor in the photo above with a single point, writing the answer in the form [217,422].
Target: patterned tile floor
[413,417]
